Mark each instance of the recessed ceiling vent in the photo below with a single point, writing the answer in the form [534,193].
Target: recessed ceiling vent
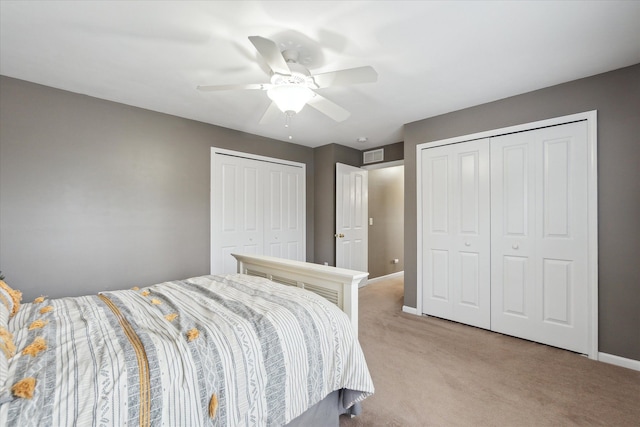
[373,156]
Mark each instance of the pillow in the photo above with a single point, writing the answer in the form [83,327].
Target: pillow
[9,299]
[6,306]
[9,305]
[7,349]
[4,313]
[4,373]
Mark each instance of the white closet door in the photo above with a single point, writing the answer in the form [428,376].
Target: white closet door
[237,210]
[257,207]
[456,234]
[539,235]
[284,212]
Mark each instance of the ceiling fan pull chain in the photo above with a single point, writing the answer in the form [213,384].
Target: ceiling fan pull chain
[287,121]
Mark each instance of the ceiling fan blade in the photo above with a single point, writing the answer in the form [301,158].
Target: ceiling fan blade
[269,50]
[271,114]
[261,86]
[346,77]
[329,108]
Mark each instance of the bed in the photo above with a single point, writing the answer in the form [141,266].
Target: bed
[275,344]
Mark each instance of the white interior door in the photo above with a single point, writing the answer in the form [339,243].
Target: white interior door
[456,233]
[284,212]
[237,210]
[352,211]
[540,235]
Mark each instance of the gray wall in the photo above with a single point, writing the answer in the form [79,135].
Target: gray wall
[325,159]
[96,195]
[386,207]
[616,96]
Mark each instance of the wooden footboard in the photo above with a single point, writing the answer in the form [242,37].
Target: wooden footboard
[338,285]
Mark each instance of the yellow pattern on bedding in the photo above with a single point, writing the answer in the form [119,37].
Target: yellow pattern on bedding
[143,363]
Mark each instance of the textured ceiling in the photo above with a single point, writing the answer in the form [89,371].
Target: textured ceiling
[431,57]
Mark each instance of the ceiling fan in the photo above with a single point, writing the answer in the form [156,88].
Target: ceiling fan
[292,86]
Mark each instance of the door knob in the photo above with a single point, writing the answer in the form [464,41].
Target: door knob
[467,244]
[340,236]
[515,246]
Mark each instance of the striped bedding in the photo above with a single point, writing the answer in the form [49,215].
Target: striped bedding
[228,350]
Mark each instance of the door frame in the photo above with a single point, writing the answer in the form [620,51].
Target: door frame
[221,151]
[592,210]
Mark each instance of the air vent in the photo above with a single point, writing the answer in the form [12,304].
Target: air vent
[373,156]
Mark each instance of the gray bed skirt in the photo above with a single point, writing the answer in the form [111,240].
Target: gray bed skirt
[326,413]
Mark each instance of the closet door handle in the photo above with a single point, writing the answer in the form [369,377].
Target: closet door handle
[467,244]
[515,246]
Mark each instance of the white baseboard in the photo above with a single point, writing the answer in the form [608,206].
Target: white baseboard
[381,278]
[410,310]
[619,361]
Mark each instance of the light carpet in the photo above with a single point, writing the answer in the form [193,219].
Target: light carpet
[432,372]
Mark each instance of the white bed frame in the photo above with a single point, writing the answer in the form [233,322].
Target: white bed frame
[338,285]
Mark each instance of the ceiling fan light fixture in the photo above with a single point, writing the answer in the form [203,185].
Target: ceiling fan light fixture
[290,97]
[292,85]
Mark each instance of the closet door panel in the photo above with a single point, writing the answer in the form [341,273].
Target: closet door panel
[437,206]
[512,243]
[440,285]
[471,234]
[562,231]
[555,188]
[514,295]
[456,232]
[439,188]
[469,279]
[468,174]
[275,200]
[538,202]
[274,205]
[515,188]
[556,290]
[284,213]
[295,214]
[237,225]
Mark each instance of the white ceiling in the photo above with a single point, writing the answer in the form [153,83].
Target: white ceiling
[431,57]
